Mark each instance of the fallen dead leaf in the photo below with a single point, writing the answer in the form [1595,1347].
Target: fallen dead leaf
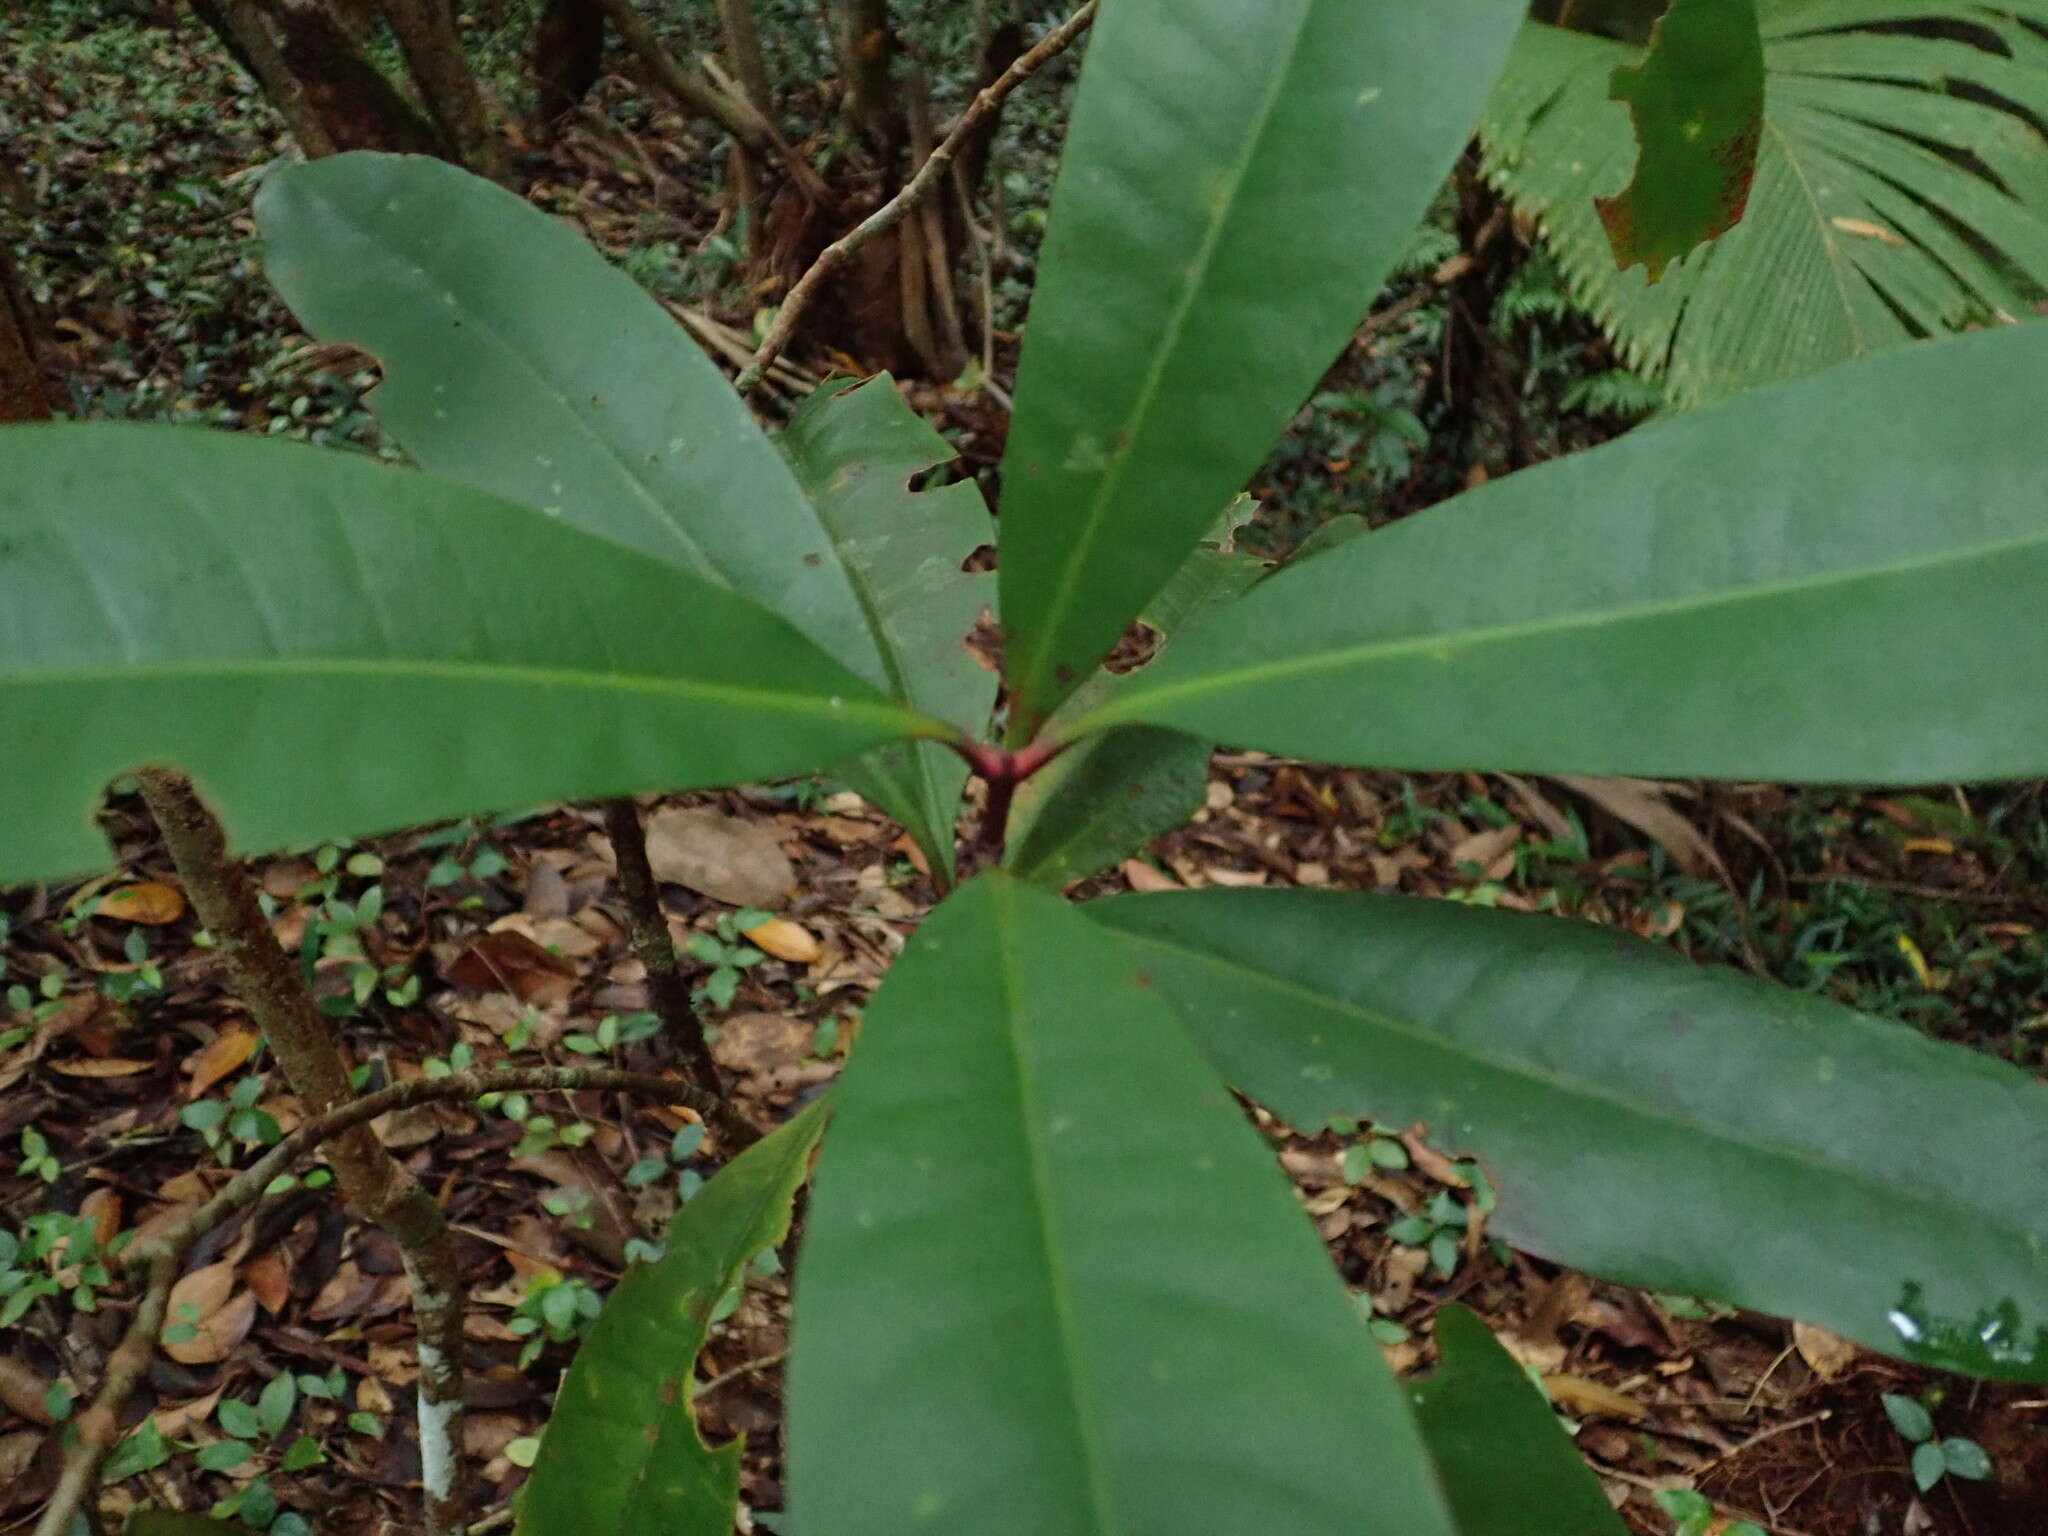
[1582,1395]
[737,862]
[151,902]
[761,1042]
[1828,1354]
[1402,1267]
[219,1056]
[207,1301]
[1645,805]
[1141,876]
[908,847]
[101,1066]
[102,1207]
[371,1396]
[1486,848]
[1430,1161]
[785,940]
[508,961]
[173,1422]
[22,1390]
[17,1454]
[268,1276]
[1218,874]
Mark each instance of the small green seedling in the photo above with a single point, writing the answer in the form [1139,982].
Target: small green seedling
[727,953]
[1694,1514]
[553,1309]
[1933,1458]
[37,1161]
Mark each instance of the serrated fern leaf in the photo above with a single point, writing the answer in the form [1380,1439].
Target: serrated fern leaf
[1901,189]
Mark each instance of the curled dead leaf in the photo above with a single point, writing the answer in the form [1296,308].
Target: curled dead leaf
[102,1207]
[1827,1354]
[23,1390]
[508,961]
[207,1316]
[151,902]
[1141,876]
[785,940]
[101,1066]
[1582,1395]
[219,1056]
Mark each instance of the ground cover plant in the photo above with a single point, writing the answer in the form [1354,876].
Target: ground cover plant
[1044,1252]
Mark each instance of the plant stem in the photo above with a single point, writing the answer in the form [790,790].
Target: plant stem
[930,175]
[269,985]
[647,933]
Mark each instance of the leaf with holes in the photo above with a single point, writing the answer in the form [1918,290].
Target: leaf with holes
[621,1453]
[1698,103]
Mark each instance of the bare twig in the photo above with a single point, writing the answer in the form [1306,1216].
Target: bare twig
[744,1368]
[270,986]
[929,177]
[647,933]
[160,1259]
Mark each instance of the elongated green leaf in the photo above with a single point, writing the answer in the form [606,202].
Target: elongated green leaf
[1236,183]
[855,453]
[336,647]
[1499,1450]
[1901,189]
[1641,1117]
[1833,579]
[1051,1281]
[621,1454]
[517,360]
[1698,103]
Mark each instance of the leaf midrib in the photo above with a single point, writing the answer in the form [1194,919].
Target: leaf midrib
[1636,1108]
[915,724]
[1140,702]
[1040,1179]
[1096,515]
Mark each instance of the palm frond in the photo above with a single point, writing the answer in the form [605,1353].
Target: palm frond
[1901,189]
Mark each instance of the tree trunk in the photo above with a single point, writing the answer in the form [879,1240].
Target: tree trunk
[21,372]
[432,43]
[566,53]
[354,104]
[241,32]
[866,50]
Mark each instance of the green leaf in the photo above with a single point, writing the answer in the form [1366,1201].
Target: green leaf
[274,1406]
[519,361]
[1499,1450]
[239,1419]
[1698,103]
[333,647]
[622,1452]
[1111,794]
[1908,1417]
[1685,1129]
[1052,1282]
[1122,789]
[855,452]
[1754,591]
[1928,1465]
[1901,189]
[222,1456]
[1965,1458]
[1237,180]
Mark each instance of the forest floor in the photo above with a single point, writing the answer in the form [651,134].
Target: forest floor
[499,940]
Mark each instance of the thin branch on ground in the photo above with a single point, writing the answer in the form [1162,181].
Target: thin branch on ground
[669,994]
[930,176]
[744,1368]
[160,1259]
